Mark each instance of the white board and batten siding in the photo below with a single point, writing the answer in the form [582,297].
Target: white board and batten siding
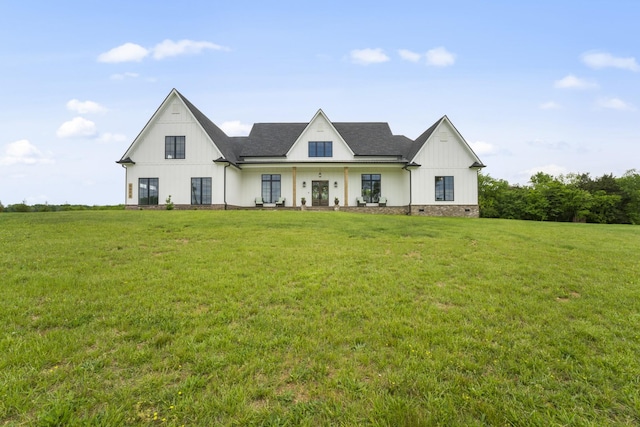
[445,154]
[174,175]
[249,186]
[394,183]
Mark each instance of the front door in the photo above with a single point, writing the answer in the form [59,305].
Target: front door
[320,193]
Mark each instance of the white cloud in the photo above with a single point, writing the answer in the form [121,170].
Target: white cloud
[408,55]
[368,56]
[440,57]
[235,128]
[76,128]
[86,107]
[549,145]
[23,152]
[599,60]
[132,52]
[552,169]
[482,148]
[170,48]
[573,82]
[109,137]
[615,104]
[128,52]
[124,76]
[551,105]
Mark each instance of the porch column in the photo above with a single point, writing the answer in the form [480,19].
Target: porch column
[294,170]
[346,186]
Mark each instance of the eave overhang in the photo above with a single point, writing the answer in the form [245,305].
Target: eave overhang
[411,166]
[327,163]
[126,161]
[223,161]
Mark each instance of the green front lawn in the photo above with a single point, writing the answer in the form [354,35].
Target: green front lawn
[316,318]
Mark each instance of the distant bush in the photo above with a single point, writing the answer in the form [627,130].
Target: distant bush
[46,207]
[41,208]
[19,207]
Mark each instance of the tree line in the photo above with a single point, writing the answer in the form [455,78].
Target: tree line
[572,197]
[46,207]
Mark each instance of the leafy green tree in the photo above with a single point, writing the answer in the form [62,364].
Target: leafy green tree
[604,208]
[629,185]
[20,207]
[546,198]
[513,203]
[491,191]
[573,197]
[576,204]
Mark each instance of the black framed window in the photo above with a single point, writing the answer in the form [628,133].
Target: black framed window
[270,188]
[148,191]
[320,149]
[444,188]
[371,187]
[200,191]
[174,147]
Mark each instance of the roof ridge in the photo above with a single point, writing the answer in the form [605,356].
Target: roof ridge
[217,135]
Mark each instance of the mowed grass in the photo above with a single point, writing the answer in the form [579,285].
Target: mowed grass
[316,318]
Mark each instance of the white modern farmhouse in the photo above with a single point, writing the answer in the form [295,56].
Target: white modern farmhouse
[354,166]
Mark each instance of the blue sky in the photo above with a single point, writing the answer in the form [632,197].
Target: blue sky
[533,86]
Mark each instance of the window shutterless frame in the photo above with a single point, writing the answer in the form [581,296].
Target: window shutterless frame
[200,191]
[174,147]
[444,188]
[320,149]
[270,188]
[147,191]
[371,187]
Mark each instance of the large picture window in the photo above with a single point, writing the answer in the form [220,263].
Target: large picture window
[371,187]
[200,191]
[174,147]
[444,188]
[320,149]
[148,191]
[270,188]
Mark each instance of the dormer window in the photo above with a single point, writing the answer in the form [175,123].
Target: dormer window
[320,149]
[174,147]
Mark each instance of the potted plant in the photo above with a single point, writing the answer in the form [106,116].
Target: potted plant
[303,201]
[336,201]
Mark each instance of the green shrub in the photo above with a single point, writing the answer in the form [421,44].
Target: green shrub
[20,207]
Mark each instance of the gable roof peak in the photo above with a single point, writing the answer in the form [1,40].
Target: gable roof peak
[422,139]
[318,114]
[217,136]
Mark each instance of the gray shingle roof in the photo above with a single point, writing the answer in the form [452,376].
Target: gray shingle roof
[219,138]
[364,139]
[371,139]
[419,142]
[271,139]
[276,139]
